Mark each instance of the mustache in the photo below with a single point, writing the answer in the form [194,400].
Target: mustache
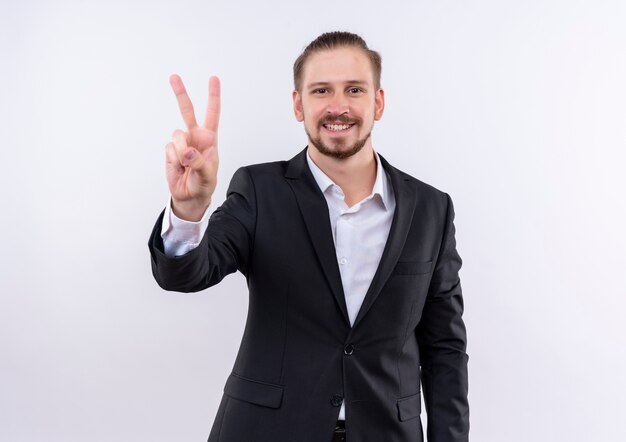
[344,119]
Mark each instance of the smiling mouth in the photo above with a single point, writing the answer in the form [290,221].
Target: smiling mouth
[337,127]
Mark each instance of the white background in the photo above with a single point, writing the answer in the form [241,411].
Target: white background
[515,108]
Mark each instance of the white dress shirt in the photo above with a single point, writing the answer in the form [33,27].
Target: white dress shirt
[360,233]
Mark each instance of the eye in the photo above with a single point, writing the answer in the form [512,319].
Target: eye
[355,90]
[321,90]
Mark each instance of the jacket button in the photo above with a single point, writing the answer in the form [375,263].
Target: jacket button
[348,349]
[336,400]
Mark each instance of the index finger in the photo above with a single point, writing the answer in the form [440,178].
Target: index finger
[184,103]
[212,118]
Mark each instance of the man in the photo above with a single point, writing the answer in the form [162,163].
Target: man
[351,266]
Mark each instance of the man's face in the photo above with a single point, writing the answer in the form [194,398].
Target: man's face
[338,101]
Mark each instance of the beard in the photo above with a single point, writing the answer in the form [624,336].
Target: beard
[339,150]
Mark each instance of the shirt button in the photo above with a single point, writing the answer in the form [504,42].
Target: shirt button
[343,261]
[348,349]
[336,400]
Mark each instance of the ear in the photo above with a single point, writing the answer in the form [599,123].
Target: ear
[379,103]
[297,105]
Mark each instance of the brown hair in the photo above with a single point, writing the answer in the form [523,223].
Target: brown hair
[332,40]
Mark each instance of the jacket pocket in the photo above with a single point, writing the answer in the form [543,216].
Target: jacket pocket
[255,392]
[409,407]
[412,267]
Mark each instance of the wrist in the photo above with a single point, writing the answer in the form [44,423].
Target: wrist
[190,210]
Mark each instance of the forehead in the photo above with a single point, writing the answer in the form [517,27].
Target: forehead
[337,66]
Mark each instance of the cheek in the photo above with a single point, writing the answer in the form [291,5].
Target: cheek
[313,109]
[311,117]
[372,116]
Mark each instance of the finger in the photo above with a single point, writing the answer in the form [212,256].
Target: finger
[179,138]
[212,118]
[171,157]
[184,102]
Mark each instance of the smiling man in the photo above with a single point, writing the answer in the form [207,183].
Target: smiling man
[338,112]
[355,300]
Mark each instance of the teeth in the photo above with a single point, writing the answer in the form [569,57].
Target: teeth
[337,126]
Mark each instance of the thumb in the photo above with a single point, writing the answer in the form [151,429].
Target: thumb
[194,160]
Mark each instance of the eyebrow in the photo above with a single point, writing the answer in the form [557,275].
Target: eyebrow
[326,83]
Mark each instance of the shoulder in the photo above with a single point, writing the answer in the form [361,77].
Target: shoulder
[264,173]
[420,187]
[428,199]
[267,169]
[279,169]
[253,178]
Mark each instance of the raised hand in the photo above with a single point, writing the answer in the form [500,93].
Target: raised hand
[191,158]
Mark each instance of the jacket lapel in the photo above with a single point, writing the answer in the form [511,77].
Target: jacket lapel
[315,215]
[405,197]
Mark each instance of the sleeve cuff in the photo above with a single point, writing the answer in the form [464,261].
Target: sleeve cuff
[180,236]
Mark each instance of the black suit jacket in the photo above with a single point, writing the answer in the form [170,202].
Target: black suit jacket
[299,358]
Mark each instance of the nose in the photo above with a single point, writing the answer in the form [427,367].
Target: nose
[338,105]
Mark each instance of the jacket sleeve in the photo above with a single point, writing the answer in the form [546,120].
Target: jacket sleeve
[442,341]
[225,246]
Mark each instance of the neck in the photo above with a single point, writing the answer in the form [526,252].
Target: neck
[355,175]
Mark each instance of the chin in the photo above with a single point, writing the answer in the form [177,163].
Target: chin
[340,153]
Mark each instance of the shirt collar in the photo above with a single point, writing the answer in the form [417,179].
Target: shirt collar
[382,185]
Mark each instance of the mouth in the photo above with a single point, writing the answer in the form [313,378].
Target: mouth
[338,128]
